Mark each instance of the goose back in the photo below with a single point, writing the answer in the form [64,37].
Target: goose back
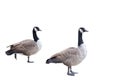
[70,56]
[26,47]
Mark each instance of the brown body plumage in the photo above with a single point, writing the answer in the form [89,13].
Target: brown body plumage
[69,56]
[26,47]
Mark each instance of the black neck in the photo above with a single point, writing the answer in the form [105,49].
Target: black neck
[35,37]
[80,40]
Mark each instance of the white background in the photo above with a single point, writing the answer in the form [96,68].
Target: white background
[59,21]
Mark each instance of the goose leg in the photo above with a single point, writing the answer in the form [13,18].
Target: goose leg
[15,56]
[29,60]
[73,71]
[70,72]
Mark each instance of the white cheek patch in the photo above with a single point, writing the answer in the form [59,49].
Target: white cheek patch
[35,29]
[81,30]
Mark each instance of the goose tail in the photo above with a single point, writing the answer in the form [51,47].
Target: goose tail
[9,52]
[53,60]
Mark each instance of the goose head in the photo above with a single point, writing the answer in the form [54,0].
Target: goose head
[36,29]
[82,29]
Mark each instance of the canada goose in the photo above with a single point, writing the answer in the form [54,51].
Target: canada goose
[26,47]
[71,56]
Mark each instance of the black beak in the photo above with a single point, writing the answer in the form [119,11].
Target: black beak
[40,30]
[86,30]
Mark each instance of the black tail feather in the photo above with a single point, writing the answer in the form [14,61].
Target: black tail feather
[53,60]
[48,61]
[9,52]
